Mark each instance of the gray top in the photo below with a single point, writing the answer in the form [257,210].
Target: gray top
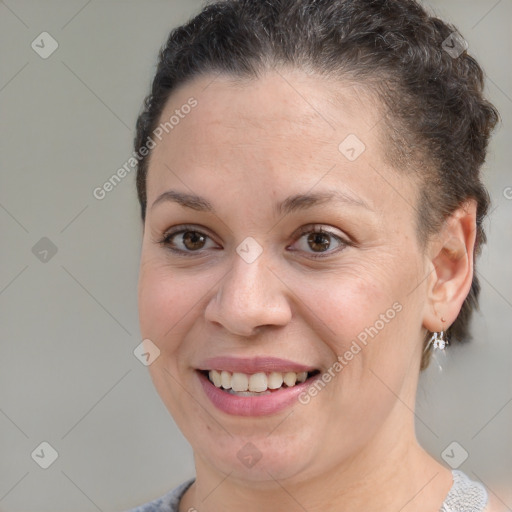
[464,496]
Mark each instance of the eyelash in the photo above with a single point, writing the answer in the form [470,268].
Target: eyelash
[304,230]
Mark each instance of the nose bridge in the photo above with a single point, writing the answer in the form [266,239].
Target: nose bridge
[249,295]
[249,282]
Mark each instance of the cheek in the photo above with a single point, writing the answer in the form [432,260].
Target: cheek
[165,300]
[367,318]
[348,301]
[166,303]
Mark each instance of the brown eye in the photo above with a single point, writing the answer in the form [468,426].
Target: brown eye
[187,241]
[319,242]
[193,240]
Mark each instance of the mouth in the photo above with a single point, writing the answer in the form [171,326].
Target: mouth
[254,387]
[256,384]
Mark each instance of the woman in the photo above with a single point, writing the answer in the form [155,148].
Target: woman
[309,182]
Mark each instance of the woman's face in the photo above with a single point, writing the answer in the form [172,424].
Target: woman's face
[246,287]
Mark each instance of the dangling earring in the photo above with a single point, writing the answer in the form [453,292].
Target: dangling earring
[439,341]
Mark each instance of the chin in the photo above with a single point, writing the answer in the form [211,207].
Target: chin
[259,459]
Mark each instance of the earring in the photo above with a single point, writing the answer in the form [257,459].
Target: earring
[438,340]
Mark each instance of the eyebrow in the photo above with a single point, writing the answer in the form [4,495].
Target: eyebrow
[291,204]
[304,201]
[187,200]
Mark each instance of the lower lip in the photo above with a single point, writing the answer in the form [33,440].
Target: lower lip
[263,405]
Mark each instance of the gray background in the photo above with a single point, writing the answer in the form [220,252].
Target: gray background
[69,325]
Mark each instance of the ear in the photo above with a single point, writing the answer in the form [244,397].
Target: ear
[450,266]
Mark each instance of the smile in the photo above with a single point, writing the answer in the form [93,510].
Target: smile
[256,384]
[254,387]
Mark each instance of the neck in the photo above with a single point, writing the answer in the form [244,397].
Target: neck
[392,473]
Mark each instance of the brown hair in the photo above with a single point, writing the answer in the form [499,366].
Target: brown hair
[437,118]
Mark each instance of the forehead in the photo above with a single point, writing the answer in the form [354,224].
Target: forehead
[284,130]
[277,106]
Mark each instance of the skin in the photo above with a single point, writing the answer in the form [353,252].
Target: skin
[244,148]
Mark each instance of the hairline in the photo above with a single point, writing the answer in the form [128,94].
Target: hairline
[372,90]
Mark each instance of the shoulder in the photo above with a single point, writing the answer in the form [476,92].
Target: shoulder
[168,502]
[467,495]
[495,505]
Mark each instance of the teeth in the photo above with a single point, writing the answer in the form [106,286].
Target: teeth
[257,383]
[240,382]
[275,380]
[248,393]
[290,378]
[225,379]
[215,378]
[302,376]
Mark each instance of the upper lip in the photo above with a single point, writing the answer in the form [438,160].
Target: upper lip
[254,365]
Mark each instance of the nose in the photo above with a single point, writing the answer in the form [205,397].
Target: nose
[249,296]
